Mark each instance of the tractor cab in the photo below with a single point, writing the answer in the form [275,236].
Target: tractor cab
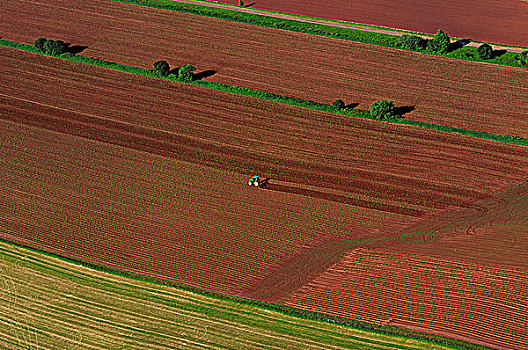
[254,181]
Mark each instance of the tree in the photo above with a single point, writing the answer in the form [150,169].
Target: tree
[523,58]
[382,110]
[241,3]
[485,51]
[162,68]
[185,73]
[338,104]
[55,48]
[411,42]
[440,42]
[39,44]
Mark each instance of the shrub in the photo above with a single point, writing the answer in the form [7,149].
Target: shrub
[439,43]
[39,44]
[185,73]
[485,51]
[338,104]
[523,58]
[55,48]
[162,68]
[411,42]
[382,110]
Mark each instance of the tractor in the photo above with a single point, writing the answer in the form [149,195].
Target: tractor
[254,181]
[257,181]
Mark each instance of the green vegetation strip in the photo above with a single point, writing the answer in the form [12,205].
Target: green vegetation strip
[467,53]
[358,113]
[42,293]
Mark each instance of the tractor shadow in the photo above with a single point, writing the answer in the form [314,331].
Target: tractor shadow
[75,49]
[264,182]
[204,74]
[401,111]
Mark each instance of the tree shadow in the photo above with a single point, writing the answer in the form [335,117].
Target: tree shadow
[401,111]
[249,5]
[351,106]
[498,53]
[75,49]
[174,71]
[455,45]
[204,74]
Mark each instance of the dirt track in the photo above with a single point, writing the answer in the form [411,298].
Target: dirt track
[468,95]
[495,21]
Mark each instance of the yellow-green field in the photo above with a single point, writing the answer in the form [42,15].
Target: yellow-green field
[48,303]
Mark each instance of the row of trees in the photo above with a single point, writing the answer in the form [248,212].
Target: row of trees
[184,73]
[441,44]
[382,109]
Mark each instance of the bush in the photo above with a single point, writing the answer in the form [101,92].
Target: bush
[241,3]
[439,43]
[54,48]
[485,51]
[39,44]
[162,68]
[523,58]
[338,104]
[185,73]
[382,110]
[411,42]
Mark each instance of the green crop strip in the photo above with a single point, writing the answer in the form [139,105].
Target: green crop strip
[465,53]
[358,113]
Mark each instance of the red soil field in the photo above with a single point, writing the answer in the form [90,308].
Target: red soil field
[494,230]
[481,303]
[149,176]
[496,21]
[468,95]
[157,216]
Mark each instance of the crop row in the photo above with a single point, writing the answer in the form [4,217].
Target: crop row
[451,297]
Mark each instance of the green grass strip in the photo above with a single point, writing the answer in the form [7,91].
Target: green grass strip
[357,113]
[466,53]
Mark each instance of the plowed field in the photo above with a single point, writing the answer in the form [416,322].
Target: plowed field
[149,176]
[452,92]
[495,230]
[450,297]
[497,21]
